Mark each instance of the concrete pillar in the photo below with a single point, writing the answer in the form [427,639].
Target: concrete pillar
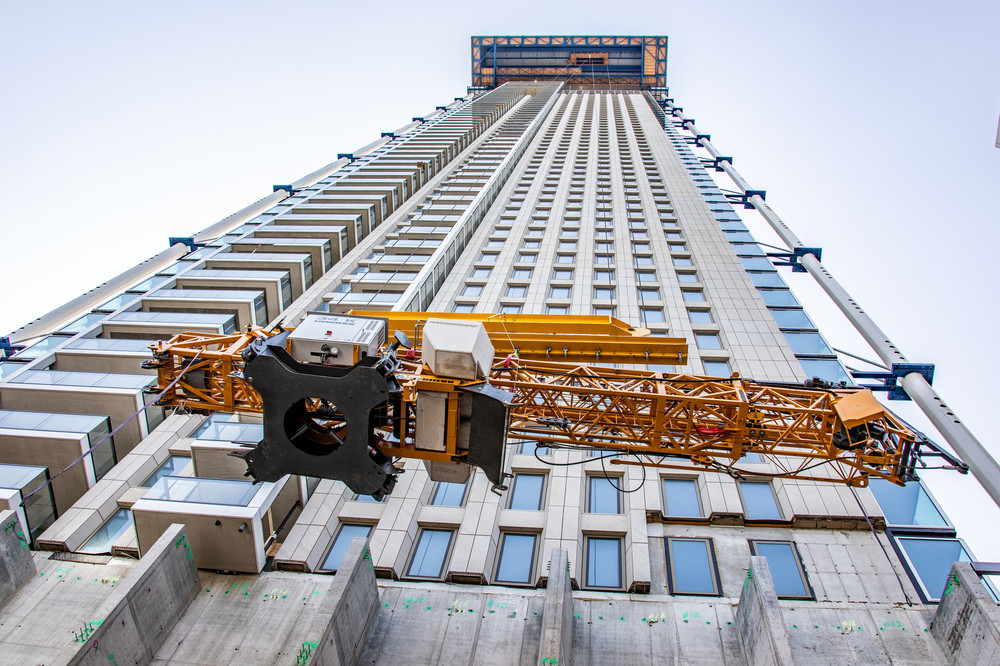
[759,623]
[145,606]
[16,564]
[556,644]
[967,622]
[351,601]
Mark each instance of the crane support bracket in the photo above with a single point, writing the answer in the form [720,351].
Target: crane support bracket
[892,381]
[288,188]
[7,349]
[792,258]
[187,240]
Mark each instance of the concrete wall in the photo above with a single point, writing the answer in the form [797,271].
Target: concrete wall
[146,605]
[556,642]
[16,565]
[758,619]
[351,603]
[967,622]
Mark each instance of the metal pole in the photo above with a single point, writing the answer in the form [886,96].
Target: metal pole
[982,464]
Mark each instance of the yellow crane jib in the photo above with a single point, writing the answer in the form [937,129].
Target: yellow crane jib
[342,402]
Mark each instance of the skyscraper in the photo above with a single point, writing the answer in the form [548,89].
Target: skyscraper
[566,181]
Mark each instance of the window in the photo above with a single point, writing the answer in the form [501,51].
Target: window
[652,315]
[494,244]
[758,501]
[778,297]
[533,448]
[560,292]
[345,535]
[807,343]
[430,554]
[517,558]
[449,494]
[464,307]
[489,257]
[604,563]
[531,244]
[687,278]
[683,261]
[786,568]
[565,258]
[108,534]
[643,261]
[645,276]
[604,311]
[603,495]
[472,290]
[516,292]
[481,272]
[700,317]
[567,245]
[526,493]
[792,319]
[526,258]
[931,559]
[906,505]
[172,466]
[681,499]
[708,341]
[557,310]
[691,567]
[521,274]
[562,274]
[604,276]
[825,368]
[604,293]
[649,294]
[510,309]
[694,296]
[717,368]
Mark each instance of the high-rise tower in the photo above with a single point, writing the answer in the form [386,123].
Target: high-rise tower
[566,181]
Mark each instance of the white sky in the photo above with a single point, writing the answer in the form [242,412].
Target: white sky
[870,125]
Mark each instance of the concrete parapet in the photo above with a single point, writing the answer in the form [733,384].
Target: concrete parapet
[16,563]
[556,644]
[351,602]
[146,605]
[967,622]
[759,623]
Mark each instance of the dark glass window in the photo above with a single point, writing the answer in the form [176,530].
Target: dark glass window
[691,567]
[681,498]
[604,563]
[345,535]
[786,568]
[603,495]
[449,494]
[429,556]
[758,501]
[517,558]
[526,493]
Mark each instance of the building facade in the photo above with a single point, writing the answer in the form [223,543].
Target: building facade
[563,182]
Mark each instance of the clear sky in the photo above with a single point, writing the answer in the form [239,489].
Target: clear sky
[870,125]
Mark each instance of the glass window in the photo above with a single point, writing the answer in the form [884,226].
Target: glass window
[792,319]
[481,272]
[202,491]
[604,563]
[691,567]
[560,292]
[534,448]
[687,277]
[531,244]
[717,368]
[644,261]
[557,310]
[172,466]
[708,341]
[604,293]
[604,311]
[807,343]
[449,494]
[516,292]
[931,560]
[652,315]
[700,317]
[645,276]
[756,264]
[472,290]
[786,568]
[526,258]
[825,368]
[517,558]
[906,505]
[521,274]
[565,258]
[464,307]
[510,309]
[767,280]
[694,296]
[649,294]
[562,274]
[681,498]
[683,261]
[567,245]
[603,495]
[430,554]
[777,297]
[758,501]
[345,535]
[227,428]
[526,493]
[108,534]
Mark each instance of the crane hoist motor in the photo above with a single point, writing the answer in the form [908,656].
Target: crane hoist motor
[332,403]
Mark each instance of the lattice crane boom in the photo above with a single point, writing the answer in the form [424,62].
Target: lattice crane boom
[348,412]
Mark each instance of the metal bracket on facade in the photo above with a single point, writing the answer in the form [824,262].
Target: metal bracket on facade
[745,197]
[391,135]
[698,137]
[349,156]
[441,108]
[674,110]
[791,259]
[187,240]
[891,380]
[417,119]
[7,350]
[720,159]
[288,188]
